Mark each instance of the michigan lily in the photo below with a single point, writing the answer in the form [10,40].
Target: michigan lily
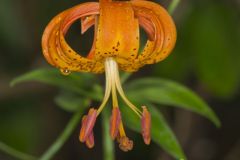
[116,46]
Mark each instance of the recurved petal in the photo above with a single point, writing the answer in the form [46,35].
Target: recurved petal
[87,22]
[47,34]
[115,122]
[147,26]
[165,30]
[55,48]
[146,126]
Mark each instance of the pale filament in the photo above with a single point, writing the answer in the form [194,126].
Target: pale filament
[113,83]
[107,88]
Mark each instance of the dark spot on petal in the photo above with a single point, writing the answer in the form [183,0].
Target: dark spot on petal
[118,43]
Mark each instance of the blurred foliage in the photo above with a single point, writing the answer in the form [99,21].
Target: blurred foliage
[141,91]
[166,92]
[208,47]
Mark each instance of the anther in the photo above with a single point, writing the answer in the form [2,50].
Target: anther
[146,126]
[115,122]
[125,144]
[90,141]
[88,123]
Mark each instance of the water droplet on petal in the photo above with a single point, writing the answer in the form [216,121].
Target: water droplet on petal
[65,72]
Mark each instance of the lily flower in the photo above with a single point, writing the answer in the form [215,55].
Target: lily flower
[115,47]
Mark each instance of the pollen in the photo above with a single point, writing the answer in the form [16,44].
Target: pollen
[125,144]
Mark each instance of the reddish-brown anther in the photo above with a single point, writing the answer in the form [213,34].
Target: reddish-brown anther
[115,122]
[88,123]
[82,131]
[90,140]
[146,126]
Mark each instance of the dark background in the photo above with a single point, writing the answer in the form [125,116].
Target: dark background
[206,59]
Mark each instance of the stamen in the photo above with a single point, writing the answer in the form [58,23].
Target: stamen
[146,125]
[125,144]
[90,141]
[107,88]
[114,93]
[82,131]
[121,130]
[115,122]
[114,66]
[88,123]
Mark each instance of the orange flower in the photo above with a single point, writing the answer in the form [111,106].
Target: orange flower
[115,46]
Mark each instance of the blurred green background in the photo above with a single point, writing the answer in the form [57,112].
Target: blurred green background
[206,59]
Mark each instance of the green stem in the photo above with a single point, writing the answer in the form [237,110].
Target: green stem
[56,146]
[15,153]
[173,5]
[108,146]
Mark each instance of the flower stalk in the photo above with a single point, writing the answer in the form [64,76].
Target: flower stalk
[57,145]
[108,145]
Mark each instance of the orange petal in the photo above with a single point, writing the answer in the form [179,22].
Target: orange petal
[148,27]
[55,48]
[115,122]
[146,126]
[165,31]
[118,32]
[87,22]
[46,36]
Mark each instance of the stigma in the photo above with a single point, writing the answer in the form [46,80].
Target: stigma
[113,88]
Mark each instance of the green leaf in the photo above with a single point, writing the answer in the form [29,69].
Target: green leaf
[160,131]
[162,91]
[75,82]
[71,102]
[213,44]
